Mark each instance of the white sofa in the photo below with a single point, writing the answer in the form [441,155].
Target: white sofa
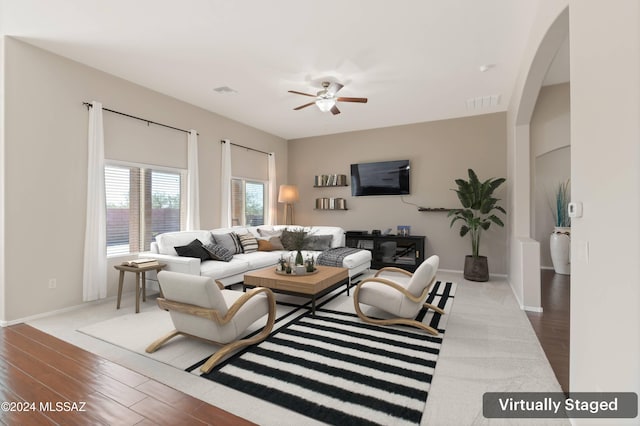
[233,271]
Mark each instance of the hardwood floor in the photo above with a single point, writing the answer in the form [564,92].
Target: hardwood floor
[36,368]
[552,325]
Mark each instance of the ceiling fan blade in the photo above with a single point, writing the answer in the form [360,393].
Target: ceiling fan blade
[301,93]
[361,100]
[333,88]
[304,106]
[334,110]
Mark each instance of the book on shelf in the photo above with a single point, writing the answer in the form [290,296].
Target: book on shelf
[141,263]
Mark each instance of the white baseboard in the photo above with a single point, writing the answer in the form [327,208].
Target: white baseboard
[461,272]
[532,309]
[451,271]
[50,313]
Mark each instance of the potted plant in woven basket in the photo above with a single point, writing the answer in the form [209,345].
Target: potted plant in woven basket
[478,212]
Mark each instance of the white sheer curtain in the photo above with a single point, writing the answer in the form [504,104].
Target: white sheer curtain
[193,192]
[225,182]
[273,190]
[94,277]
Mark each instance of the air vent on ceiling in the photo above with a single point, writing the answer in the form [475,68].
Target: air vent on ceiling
[224,89]
[480,102]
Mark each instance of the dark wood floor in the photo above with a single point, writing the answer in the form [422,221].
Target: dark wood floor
[38,368]
[552,325]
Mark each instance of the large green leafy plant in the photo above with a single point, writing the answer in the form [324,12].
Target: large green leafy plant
[479,207]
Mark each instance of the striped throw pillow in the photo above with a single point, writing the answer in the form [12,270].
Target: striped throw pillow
[249,242]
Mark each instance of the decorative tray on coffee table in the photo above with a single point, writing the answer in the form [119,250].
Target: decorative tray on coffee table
[315,271]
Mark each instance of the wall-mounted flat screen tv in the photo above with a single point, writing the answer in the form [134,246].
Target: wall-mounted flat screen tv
[380,178]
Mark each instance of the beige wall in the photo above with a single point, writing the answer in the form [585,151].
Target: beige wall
[605,174]
[439,151]
[45,154]
[551,157]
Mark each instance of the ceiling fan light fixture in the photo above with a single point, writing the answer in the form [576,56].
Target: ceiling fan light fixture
[325,104]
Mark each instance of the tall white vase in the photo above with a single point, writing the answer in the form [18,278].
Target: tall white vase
[560,244]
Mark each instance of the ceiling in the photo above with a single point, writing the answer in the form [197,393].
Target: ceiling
[416,60]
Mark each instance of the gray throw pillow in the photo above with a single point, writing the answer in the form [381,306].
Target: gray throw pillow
[218,252]
[229,241]
[317,242]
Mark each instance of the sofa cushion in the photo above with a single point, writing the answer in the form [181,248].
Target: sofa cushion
[217,269]
[269,232]
[193,249]
[248,242]
[167,241]
[317,242]
[356,259]
[230,241]
[260,259]
[218,252]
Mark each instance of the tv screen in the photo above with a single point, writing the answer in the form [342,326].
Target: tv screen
[380,178]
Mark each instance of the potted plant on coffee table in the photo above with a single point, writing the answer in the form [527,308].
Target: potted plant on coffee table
[478,212]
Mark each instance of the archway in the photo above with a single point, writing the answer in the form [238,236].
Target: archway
[524,250]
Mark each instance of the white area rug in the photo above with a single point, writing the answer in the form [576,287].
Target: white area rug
[332,367]
[135,332]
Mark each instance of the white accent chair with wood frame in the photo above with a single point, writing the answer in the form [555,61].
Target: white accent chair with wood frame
[399,293]
[201,308]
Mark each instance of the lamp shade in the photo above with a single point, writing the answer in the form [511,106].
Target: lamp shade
[288,194]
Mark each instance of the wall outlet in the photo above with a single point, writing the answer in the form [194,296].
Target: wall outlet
[52,283]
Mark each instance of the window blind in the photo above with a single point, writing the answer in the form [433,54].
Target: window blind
[141,203]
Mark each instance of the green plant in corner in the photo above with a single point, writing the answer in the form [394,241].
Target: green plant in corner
[561,212]
[478,208]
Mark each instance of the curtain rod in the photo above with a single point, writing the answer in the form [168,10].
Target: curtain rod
[89,105]
[246,147]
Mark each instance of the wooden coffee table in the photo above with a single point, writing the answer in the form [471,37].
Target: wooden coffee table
[313,285]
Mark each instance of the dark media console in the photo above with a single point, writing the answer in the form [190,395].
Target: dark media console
[406,252]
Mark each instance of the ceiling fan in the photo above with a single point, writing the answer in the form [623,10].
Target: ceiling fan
[326,98]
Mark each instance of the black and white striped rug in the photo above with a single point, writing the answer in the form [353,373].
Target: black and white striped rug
[336,369]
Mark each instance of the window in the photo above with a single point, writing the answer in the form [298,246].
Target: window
[141,203]
[248,198]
